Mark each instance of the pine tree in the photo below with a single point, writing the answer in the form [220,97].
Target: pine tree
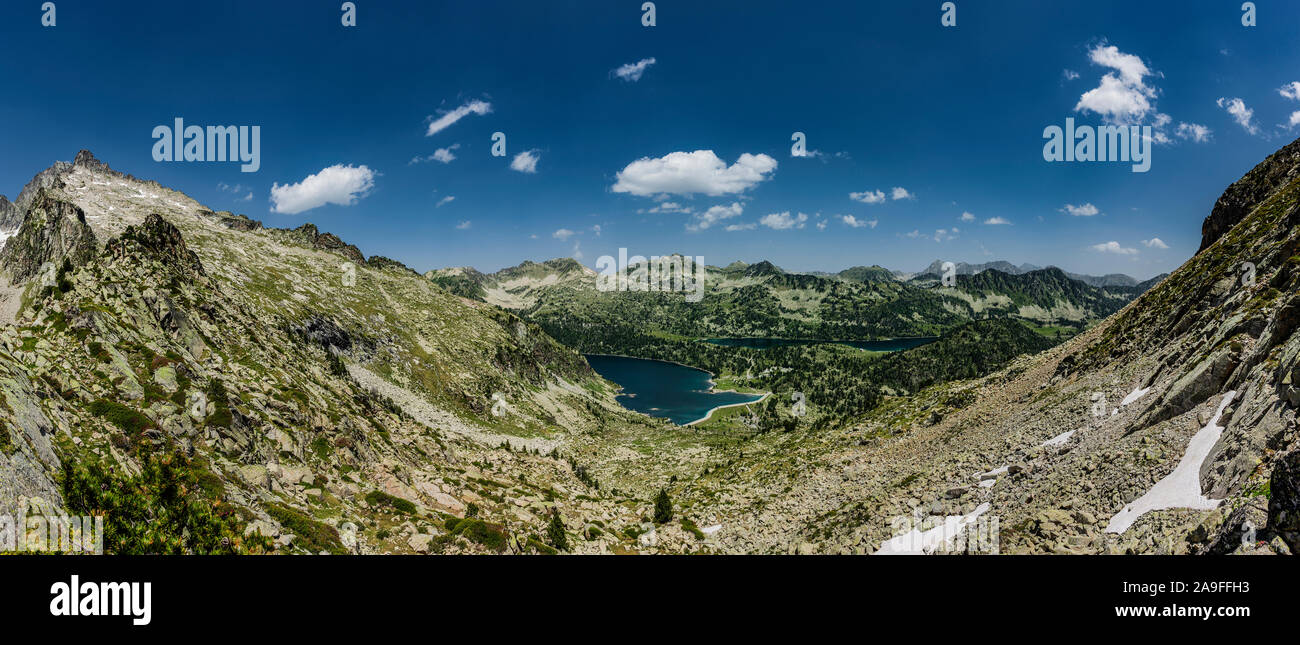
[663,507]
[555,532]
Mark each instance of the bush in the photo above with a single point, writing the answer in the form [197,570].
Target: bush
[378,498]
[130,420]
[308,533]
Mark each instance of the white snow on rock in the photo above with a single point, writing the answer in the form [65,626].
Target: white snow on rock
[916,542]
[1058,439]
[1133,396]
[710,530]
[993,474]
[1181,488]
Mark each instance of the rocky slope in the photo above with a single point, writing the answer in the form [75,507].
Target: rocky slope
[305,398]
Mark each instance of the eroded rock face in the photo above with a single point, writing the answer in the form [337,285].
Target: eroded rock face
[1242,197]
[162,240]
[1284,500]
[52,230]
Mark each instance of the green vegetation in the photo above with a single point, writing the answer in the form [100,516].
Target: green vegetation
[128,419]
[309,534]
[555,532]
[663,508]
[378,498]
[168,508]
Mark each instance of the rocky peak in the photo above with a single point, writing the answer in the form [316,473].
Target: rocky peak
[1280,169]
[86,159]
[52,230]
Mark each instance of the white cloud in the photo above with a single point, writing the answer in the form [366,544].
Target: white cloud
[1295,120]
[688,173]
[563,234]
[337,184]
[967,217]
[901,193]
[1113,247]
[445,200]
[667,207]
[1070,74]
[632,72]
[1122,98]
[525,161]
[1082,210]
[943,234]
[997,221]
[595,228]
[850,220]
[783,221]
[1290,90]
[464,225]
[1155,243]
[714,215]
[821,225]
[731,228]
[577,250]
[449,119]
[868,197]
[443,155]
[1194,131]
[1243,115]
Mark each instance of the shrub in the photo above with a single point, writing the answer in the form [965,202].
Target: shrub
[308,533]
[380,498]
[130,420]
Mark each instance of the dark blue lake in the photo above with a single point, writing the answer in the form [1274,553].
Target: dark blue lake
[675,392]
[891,345]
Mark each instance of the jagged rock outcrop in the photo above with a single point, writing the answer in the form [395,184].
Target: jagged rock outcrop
[1248,192]
[52,230]
[160,239]
[10,217]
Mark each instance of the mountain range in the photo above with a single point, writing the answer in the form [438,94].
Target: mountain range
[212,385]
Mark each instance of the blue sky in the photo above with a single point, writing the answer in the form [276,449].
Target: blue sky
[886,96]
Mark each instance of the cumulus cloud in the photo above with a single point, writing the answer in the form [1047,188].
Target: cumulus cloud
[943,234]
[1291,91]
[631,72]
[868,197]
[1081,210]
[563,234]
[850,220]
[688,173]
[1243,115]
[1155,243]
[450,118]
[967,217]
[445,200]
[1123,96]
[463,226]
[901,193]
[525,161]
[1113,247]
[783,221]
[731,228]
[337,184]
[666,207]
[714,215]
[997,221]
[442,155]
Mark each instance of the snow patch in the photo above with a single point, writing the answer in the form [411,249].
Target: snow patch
[710,530]
[1181,488]
[1059,439]
[1134,395]
[916,542]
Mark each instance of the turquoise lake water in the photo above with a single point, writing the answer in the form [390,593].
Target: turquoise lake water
[665,390]
[891,345]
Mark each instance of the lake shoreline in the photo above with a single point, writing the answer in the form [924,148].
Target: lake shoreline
[708,416]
